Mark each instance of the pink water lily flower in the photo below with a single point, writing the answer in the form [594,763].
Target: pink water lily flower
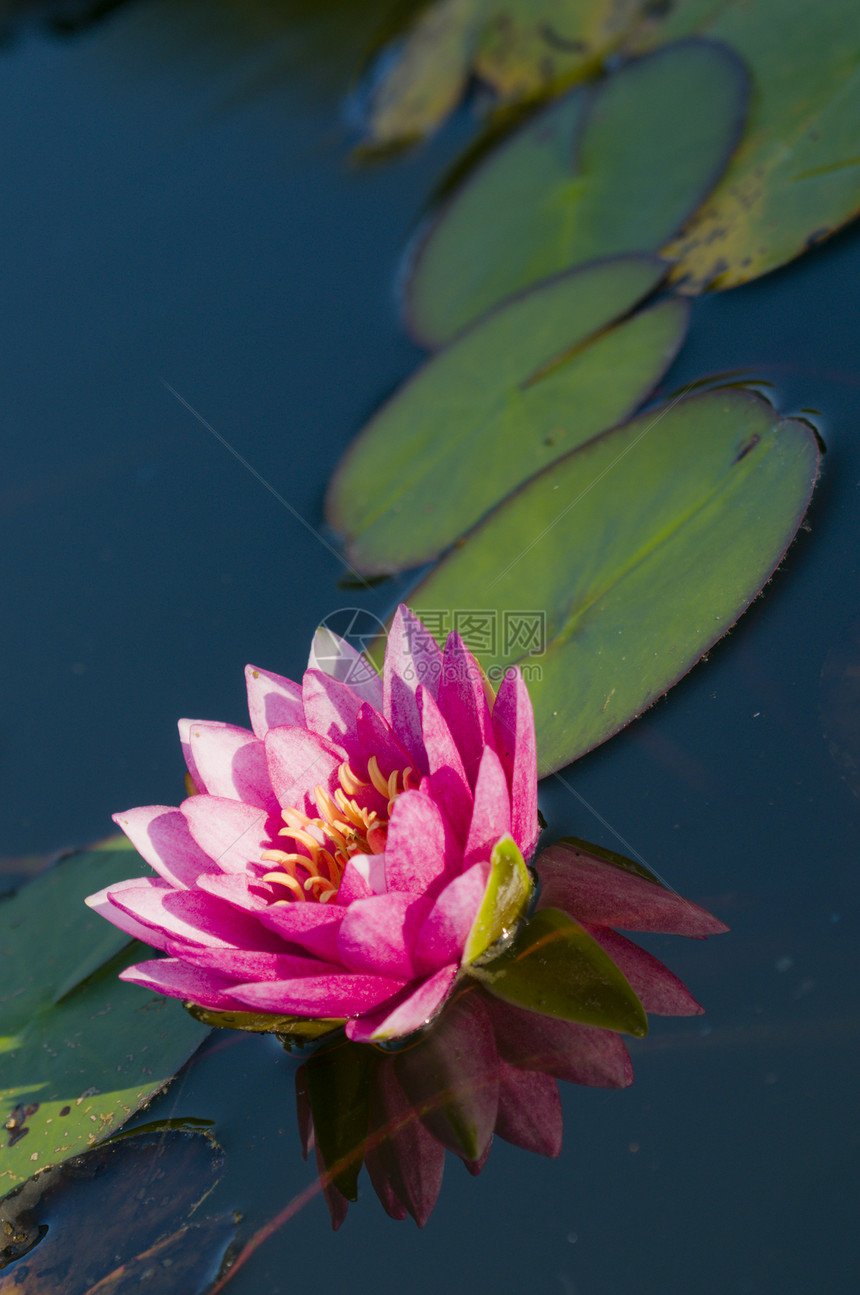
[333,858]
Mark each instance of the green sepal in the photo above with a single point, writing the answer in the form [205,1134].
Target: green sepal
[554,967]
[291,1027]
[506,898]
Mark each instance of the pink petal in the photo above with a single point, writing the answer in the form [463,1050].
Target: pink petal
[463,702]
[378,934]
[403,1159]
[328,996]
[449,782]
[412,656]
[443,936]
[514,726]
[231,834]
[184,726]
[599,893]
[580,1054]
[101,903]
[659,991]
[336,657]
[160,835]
[451,1077]
[331,710]
[491,814]
[232,763]
[177,980]
[529,1110]
[298,762]
[376,738]
[272,700]
[420,853]
[235,889]
[363,876]
[247,965]
[314,927]
[411,1010]
[192,916]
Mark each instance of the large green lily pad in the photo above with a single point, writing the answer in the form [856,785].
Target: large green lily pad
[81,1050]
[527,384]
[796,174]
[521,48]
[607,170]
[640,550]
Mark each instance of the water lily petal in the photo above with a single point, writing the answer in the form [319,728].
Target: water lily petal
[176,979]
[232,763]
[580,1054]
[377,738]
[444,764]
[659,991]
[233,835]
[314,927]
[420,853]
[191,915]
[328,995]
[410,1011]
[412,657]
[331,710]
[404,1160]
[184,726]
[491,813]
[334,656]
[272,700]
[529,1110]
[245,964]
[101,903]
[160,835]
[298,762]
[514,727]
[443,936]
[603,894]
[364,875]
[463,702]
[378,934]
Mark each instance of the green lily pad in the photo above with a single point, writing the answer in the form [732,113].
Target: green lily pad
[509,889]
[530,382]
[605,171]
[640,550]
[795,177]
[107,1221]
[82,1051]
[554,967]
[521,48]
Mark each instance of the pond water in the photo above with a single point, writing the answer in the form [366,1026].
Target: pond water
[180,208]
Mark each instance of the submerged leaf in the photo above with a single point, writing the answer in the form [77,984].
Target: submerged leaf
[530,382]
[554,967]
[339,1078]
[107,1221]
[607,170]
[796,175]
[521,48]
[639,551]
[81,1051]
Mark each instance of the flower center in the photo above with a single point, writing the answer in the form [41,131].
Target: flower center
[350,822]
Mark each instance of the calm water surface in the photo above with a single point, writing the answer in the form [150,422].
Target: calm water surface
[178,205]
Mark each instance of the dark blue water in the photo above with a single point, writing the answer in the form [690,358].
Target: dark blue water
[179,206]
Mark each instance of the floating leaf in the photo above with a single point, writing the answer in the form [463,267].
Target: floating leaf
[554,967]
[796,176]
[608,170]
[530,382]
[640,550]
[506,898]
[106,1222]
[519,47]
[81,1050]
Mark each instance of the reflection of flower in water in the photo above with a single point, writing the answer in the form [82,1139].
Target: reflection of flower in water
[335,862]
[487,1066]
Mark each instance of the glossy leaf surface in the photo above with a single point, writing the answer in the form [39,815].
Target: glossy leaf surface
[796,174]
[641,550]
[81,1050]
[554,967]
[530,382]
[607,170]
[506,898]
[116,1220]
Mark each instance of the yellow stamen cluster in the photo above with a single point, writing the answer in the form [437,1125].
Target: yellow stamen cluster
[343,828]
